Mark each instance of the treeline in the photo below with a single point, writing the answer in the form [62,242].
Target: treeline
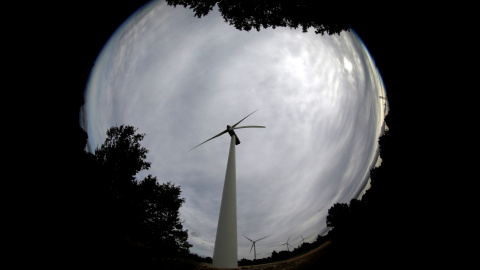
[371,230]
[130,222]
[363,229]
[248,15]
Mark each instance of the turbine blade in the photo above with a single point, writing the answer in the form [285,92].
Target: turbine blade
[251,249]
[247,238]
[262,238]
[219,134]
[237,140]
[243,119]
[250,127]
[288,238]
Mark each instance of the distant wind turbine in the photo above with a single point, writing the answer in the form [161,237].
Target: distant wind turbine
[287,244]
[384,105]
[253,245]
[225,253]
[303,239]
[384,112]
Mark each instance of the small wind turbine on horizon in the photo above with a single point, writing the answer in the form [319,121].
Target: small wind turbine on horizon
[384,126]
[253,245]
[384,105]
[225,253]
[287,244]
[303,239]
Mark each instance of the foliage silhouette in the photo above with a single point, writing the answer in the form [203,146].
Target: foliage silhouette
[160,223]
[127,222]
[121,155]
[247,15]
[371,227]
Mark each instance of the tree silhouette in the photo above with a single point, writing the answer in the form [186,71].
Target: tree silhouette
[121,155]
[255,14]
[338,216]
[374,225]
[160,220]
[140,216]
[120,158]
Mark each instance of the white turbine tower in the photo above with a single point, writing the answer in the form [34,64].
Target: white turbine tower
[253,245]
[225,253]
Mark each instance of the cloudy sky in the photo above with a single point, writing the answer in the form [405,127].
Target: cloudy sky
[181,80]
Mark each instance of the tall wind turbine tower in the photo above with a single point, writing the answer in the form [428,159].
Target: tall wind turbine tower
[225,253]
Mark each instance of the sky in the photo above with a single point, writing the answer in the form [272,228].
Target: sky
[181,80]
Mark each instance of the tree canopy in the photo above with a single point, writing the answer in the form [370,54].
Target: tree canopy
[138,214]
[255,14]
[373,225]
[121,155]
[161,227]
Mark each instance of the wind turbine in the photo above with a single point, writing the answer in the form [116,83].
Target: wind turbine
[253,245]
[384,105]
[303,239]
[384,112]
[225,253]
[287,244]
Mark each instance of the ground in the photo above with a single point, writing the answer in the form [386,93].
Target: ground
[299,262]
